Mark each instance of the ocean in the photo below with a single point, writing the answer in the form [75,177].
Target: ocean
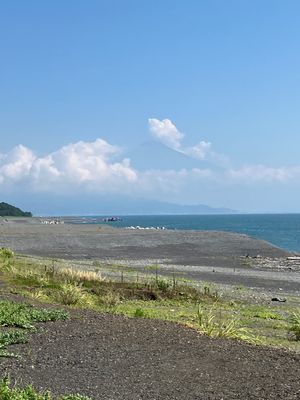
[282,230]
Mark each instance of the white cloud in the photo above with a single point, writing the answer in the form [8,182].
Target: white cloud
[82,163]
[92,166]
[199,151]
[262,173]
[16,164]
[165,183]
[167,133]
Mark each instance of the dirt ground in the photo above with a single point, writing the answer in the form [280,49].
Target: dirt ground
[112,357]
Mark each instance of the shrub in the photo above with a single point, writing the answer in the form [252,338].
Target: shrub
[294,327]
[109,300]
[162,284]
[6,253]
[69,294]
[6,256]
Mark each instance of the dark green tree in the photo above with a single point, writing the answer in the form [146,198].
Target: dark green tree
[7,210]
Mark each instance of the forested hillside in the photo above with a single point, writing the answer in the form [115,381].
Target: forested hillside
[7,210]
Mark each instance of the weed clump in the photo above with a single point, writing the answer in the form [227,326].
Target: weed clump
[69,294]
[162,284]
[23,316]
[220,327]
[294,327]
[10,337]
[6,257]
[71,275]
[29,393]
[109,300]
[139,313]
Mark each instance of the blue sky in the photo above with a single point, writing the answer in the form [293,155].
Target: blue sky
[222,73]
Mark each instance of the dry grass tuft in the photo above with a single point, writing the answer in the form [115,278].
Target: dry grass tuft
[75,275]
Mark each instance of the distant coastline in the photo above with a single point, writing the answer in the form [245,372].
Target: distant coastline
[282,230]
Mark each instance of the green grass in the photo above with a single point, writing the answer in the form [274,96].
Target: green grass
[11,337]
[29,393]
[139,313]
[22,316]
[262,312]
[294,327]
[158,297]
[215,324]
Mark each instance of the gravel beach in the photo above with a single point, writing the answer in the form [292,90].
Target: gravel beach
[219,257]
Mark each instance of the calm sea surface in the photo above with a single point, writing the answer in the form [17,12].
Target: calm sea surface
[282,230]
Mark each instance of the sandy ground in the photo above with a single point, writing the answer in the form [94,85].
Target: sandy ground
[220,257]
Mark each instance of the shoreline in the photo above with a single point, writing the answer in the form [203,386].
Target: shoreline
[261,227]
[218,257]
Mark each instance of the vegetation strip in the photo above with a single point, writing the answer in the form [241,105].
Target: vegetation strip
[203,308]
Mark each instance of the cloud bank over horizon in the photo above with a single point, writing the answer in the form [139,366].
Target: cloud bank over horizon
[98,167]
[72,166]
